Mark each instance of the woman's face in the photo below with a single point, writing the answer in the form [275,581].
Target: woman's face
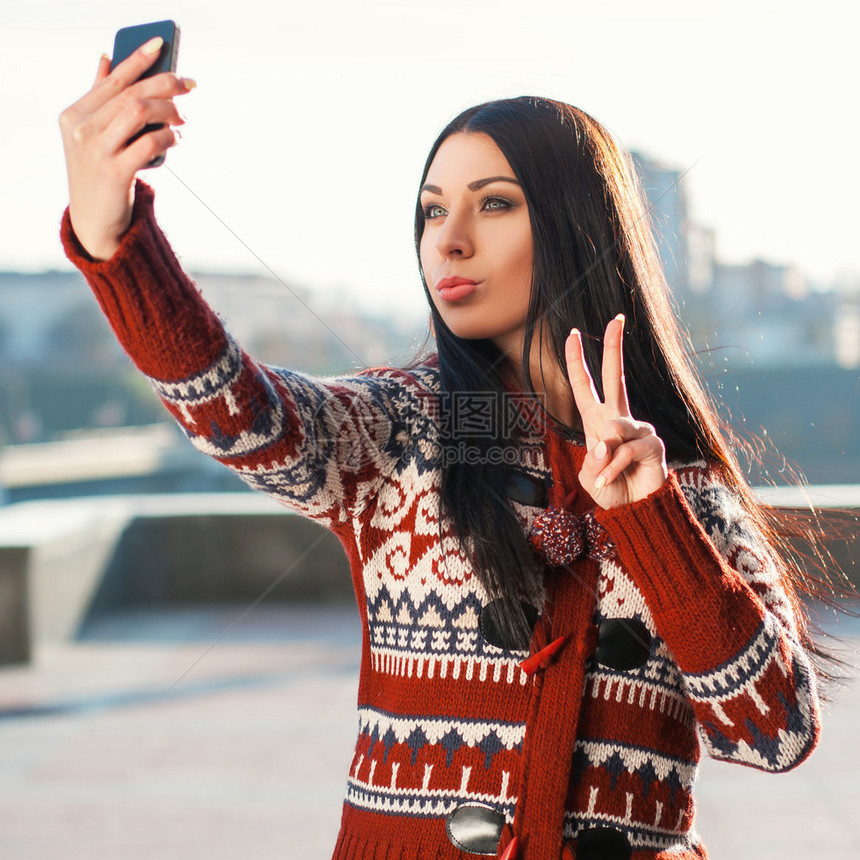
[476,250]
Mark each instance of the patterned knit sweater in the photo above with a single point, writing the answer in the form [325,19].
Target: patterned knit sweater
[668,624]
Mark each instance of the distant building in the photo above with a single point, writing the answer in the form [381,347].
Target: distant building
[45,316]
[61,368]
[285,325]
[763,314]
[667,212]
[758,313]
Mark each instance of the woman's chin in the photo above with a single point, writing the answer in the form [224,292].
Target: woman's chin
[473,333]
[476,328]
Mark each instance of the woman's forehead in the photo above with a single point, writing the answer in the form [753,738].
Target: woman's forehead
[464,158]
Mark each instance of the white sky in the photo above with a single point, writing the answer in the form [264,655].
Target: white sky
[311,122]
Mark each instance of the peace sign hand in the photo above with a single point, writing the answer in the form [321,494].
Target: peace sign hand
[625,459]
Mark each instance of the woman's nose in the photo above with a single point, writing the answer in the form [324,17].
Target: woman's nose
[455,238]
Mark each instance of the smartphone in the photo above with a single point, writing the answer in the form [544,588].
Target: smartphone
[129,39]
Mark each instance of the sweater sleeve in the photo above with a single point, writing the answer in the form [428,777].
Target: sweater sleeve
[320,446]
[714,590]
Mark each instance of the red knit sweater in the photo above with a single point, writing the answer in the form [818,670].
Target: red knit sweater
[667,615]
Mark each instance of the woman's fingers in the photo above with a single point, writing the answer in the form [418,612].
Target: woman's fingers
[626,443]
[147,147]
[584,393]
[625,460]
[103,70]
[614,385]
[134,117]
[615,433]
[115,92]
[134,100]
[110,83]
[591,410]
[639,451]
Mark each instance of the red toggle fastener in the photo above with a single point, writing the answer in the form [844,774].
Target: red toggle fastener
[541,659]
[510,852]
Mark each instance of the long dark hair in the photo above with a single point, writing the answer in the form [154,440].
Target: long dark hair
[594,257]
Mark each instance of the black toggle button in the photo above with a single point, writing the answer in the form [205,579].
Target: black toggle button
[475,828]
[622,643]
[490,624]
[602,843]
[527,490]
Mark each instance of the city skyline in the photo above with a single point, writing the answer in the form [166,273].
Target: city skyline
[307,133]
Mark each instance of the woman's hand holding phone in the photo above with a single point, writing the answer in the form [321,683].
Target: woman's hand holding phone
[100,162]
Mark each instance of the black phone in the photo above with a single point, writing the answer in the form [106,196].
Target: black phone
[129,39]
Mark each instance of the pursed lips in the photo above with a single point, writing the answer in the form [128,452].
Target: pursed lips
[456,288]
[454,282]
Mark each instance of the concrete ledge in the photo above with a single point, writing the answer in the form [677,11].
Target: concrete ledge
[63,548]
[829,502]
[64,562]
[14,594]
[227,557]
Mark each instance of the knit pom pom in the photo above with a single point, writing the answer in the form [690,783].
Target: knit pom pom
[558,536]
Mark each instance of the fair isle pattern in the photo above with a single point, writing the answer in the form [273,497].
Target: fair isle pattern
[410,802]
[422,616]
[740,678]
[728,525]
[667,840]
[419,731]
[656,684]
[405,765]
[741,673]
[423,601]
[203,387]
[647,691]
[432,639]
[325,417]
[444,715]
[618,596]
[651,767]
[730,691]
[623,783]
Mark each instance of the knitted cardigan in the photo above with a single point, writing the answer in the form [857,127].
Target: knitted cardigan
[668,622]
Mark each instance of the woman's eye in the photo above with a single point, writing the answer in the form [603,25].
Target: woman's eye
[495,203]
[433,210]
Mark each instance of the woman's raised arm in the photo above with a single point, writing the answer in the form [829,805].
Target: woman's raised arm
[321,447]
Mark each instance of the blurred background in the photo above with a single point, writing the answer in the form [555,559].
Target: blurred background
[126,557]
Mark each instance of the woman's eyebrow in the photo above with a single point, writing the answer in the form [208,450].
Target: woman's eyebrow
[480,183]
[473,186]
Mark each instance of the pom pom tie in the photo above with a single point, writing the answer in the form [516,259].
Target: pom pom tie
[560,537]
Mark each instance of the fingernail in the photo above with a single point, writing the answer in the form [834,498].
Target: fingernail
[600,483]
[105,57]
[600,450]
[189,83]
[574,331]
[620,317]
[153,46]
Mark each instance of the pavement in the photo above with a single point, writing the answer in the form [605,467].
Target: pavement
[226,732]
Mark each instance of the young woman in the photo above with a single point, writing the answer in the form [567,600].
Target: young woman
[554,615]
